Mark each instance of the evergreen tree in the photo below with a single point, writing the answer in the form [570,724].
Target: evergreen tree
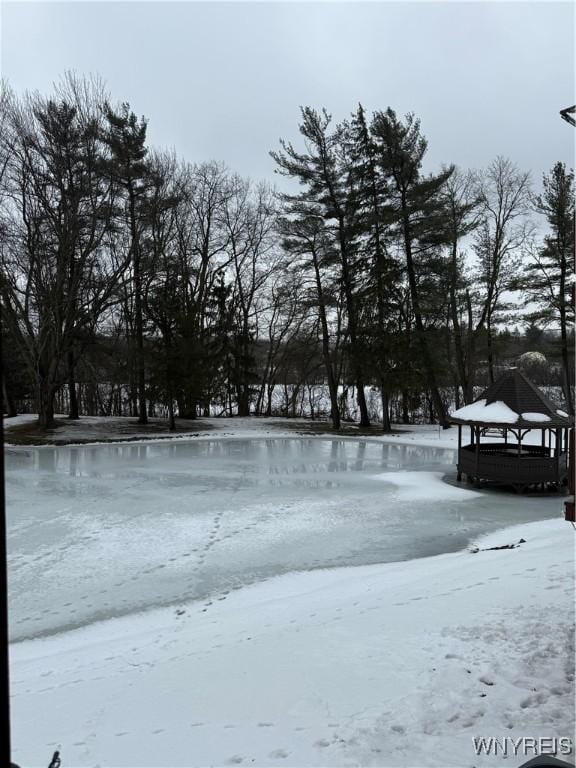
[325,173]
[419,207]
[550,273]
[126,139]
[375,220]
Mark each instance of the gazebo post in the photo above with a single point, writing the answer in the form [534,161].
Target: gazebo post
[558,441]
[569,503]
[543,438]
[505,436]
[458,472]
[477,462]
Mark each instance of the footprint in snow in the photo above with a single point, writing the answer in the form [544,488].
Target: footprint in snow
[279,753]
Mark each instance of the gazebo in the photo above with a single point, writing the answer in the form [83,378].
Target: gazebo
[499,421]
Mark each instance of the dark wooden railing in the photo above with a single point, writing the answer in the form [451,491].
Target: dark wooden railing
[507,464]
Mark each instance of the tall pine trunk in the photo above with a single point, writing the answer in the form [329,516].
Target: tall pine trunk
[420,331]
[458,346]
[326,357]
[352,328]
[490,350]
[138,318]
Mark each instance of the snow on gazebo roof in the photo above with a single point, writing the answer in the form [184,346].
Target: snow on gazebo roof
[513,401]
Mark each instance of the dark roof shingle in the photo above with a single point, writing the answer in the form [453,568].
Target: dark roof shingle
[522,396]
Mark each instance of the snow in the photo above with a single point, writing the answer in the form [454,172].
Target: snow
[492,413]
[247,651]
[535,417]
[395,664]
[562,413]
[21,418]
[426,486]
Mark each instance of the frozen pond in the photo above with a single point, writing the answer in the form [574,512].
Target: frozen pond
[100,531]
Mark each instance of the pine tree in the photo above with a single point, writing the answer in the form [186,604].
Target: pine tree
[550,275]
[126,139]
[422,227]
[375,220]
[324,171]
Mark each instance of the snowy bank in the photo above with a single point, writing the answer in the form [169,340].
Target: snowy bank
[385,665]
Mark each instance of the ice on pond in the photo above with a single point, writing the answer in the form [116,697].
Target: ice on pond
[101,531]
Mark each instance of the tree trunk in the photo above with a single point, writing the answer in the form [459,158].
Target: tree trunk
[326,357]
[171,418]
[490,350]
[9,403]
[138,317]
[566,369]
[269,395]
[361,399]
[386,426]
[73,412]
[458,347]
[46,408]
[351,306]
[243,400]
[420,332]
[405,411]
[430,403]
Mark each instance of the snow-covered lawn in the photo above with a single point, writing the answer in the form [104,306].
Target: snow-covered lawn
[391,664]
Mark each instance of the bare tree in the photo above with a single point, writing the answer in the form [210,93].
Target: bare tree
[250,218]
[504,193]
[56,208]
[462,213]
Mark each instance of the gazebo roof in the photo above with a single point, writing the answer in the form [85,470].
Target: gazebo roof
[512,401]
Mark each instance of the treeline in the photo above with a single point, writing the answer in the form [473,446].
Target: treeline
[131,280]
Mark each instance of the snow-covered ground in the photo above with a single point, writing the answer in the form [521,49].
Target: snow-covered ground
[396,663]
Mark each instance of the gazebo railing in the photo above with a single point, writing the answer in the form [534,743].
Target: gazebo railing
[508,449]
[501,463]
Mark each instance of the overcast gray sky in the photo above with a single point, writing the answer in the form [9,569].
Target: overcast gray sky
[225,80]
